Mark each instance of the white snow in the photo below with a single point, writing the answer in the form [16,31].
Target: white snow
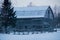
[40,36]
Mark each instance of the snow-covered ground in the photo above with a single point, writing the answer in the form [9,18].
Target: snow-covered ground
[40,36]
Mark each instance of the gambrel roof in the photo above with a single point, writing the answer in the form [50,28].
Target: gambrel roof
[31,12]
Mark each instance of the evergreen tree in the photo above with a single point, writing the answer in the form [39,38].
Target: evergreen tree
[8,16]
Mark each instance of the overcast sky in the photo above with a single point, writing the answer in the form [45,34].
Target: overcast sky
[23,3]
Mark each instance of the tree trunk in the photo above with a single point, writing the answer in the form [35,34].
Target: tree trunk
[4,30]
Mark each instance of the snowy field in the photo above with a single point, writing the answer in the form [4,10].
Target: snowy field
[40,36]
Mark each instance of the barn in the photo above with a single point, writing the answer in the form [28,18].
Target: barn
[34,18]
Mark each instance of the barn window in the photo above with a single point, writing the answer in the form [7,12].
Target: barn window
[26,27]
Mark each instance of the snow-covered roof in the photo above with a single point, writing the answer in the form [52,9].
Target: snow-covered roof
[29,12]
